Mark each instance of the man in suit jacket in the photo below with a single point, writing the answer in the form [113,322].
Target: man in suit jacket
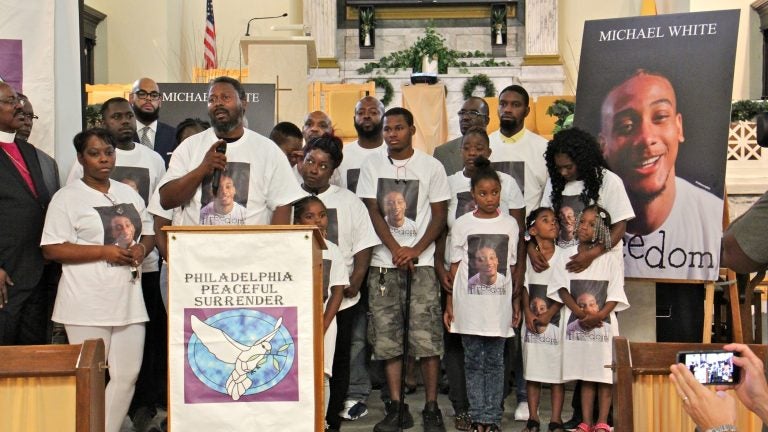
[473,113]
[146,99]
[48,164]
[23,202]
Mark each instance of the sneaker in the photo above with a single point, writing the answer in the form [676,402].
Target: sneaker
[492,428]
[521,412]
[462,421]
[353,410]
[389,424]
[433,418]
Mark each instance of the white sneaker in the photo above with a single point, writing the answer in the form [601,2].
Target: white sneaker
[521,412]
[353,410]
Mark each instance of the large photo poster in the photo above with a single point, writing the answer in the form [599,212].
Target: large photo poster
[243,339]
[656,91]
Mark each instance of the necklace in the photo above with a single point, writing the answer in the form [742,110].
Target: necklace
[118,208]
[20,165]
[398,177]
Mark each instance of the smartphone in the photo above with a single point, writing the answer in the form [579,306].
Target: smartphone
[711,367]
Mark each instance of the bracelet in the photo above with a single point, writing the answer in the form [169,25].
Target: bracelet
[722,428]
[143,248]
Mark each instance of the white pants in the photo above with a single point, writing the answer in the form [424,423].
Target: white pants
[124,348]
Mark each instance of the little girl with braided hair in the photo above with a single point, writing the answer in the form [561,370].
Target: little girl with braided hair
[592,298]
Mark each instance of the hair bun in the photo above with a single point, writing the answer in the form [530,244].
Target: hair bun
[482,162]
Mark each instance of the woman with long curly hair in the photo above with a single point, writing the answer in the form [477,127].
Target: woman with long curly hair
[579,177]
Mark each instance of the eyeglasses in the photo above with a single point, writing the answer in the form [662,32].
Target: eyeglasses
[153,96]
[470,113]
[13,101]
[30,116]
[224,98]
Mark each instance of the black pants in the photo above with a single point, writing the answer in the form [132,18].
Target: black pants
[23,320]
[453,363]
[152,384]
[340,379]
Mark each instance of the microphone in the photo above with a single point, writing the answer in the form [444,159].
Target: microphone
[248,27]
[222,148]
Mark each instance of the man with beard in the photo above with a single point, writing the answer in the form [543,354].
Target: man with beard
[370,139]
[520,153]
[516,150]
[271,185]
[474,113]
[145,99]
[676,230]
[23,202]
[145,168]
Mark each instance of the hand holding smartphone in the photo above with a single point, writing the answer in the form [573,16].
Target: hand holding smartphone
[711,367]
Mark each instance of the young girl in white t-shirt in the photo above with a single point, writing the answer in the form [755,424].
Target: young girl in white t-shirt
[310,210]
[593,297]
[542,335]
[482,307]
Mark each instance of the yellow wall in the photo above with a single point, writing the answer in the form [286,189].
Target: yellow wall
[748,69]
[163,39]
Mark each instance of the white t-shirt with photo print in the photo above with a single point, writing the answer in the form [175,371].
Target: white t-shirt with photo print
[270,181]
[543,352]
[333,267]
[422,173]
[140,157]
[482,312]
[94,293]
[585,356]
[349,226]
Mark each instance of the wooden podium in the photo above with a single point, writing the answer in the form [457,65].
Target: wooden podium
[284,61]
[52,387]
[245,334]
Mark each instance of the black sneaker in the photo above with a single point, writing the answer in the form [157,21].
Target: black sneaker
[389,424]
[433,418]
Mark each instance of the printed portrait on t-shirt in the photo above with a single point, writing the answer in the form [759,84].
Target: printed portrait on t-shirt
[539,303]
[515,169]
[332,230]
[590,296]
[135,177]
[353,175]
[570,208]
[465,203]
[228,207]
[487,264]
[122,224]
[398,203]
[326,278]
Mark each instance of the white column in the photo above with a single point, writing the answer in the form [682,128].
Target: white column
[320,16]
[541,28]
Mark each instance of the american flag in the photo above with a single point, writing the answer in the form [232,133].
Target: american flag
[210,37]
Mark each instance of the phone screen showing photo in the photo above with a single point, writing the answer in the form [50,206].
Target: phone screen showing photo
[711,367]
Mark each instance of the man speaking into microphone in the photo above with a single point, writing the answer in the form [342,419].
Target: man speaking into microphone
[255,179]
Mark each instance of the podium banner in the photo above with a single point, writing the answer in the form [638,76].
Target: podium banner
[241,329]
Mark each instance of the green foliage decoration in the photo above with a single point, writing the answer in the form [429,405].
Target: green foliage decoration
[432,44]
[384,83]
[481,80]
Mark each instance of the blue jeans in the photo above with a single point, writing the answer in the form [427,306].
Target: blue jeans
[484,369]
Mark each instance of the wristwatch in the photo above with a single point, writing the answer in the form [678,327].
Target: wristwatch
[723,428]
